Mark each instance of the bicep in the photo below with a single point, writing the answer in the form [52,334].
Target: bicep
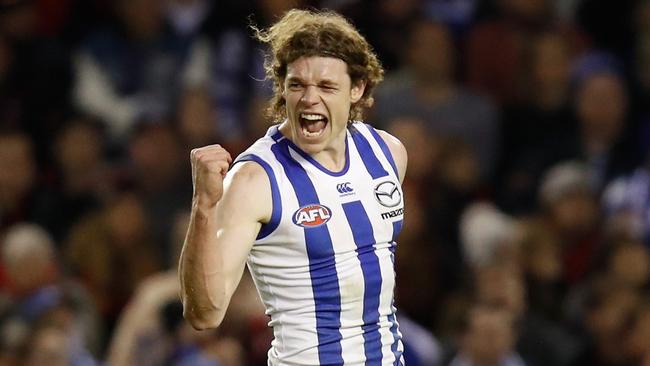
[245,204]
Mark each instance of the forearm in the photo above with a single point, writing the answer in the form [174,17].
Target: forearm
[204,286]
[221,233]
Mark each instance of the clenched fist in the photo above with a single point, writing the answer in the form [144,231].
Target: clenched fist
[209,167]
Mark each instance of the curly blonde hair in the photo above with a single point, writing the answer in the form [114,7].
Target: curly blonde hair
[308,33]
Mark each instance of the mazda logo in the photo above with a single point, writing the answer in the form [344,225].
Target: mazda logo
[388,194]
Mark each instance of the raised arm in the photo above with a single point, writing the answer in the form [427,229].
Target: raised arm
[227,213]
[398,151]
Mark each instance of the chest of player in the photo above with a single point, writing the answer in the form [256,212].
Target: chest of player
[380,199]
[346,214]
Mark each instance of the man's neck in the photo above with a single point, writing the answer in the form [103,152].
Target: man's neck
[333,158]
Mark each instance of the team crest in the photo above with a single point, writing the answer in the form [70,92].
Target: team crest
[312,215]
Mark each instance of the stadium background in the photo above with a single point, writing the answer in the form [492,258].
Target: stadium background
[528,191]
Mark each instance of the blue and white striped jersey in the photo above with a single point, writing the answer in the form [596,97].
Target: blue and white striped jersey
[324,264]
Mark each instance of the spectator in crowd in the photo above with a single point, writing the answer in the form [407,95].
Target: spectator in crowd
[607,309]
[540,341]
[40,293]
[160,178]
[528,127]
[132,70]
[501,237]
[637,346]
[111,251]
[228,65]
[628,264]
[187,16]
[626,202]
[458,14]
[17,177]
[199,125]
[424,146]
[197,122]
[50,344]
[425,88]
[488,338]
[570,209]
[487,235]
[601,103]
[541,260]
[383,24]
[22,197]
[503,74]
[81,178]
[35,75]
[457,185]
[421,348]
[151,331]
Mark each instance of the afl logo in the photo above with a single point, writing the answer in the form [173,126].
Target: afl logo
[388,194]
[312,215]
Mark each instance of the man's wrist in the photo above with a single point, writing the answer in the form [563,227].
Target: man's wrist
[203,203]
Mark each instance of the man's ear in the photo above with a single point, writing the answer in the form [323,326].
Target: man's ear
[357,90]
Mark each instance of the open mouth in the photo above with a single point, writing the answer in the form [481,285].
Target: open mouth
[312,125]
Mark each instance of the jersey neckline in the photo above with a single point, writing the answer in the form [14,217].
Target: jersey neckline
[275,133]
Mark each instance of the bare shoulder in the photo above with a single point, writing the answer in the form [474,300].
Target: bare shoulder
[247,192]
[247,172]
[398,151]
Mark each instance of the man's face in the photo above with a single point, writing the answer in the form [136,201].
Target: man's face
[318,94]
[602,106]
[490,337]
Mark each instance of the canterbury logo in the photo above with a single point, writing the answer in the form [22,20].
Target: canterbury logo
[344,188]
[388,194]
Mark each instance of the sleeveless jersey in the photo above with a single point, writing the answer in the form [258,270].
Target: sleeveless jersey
[324,264]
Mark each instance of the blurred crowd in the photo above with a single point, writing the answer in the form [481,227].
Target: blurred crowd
[527,123]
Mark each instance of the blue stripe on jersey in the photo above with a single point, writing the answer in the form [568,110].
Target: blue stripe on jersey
[397,228]
[274,133]
[384,148]
[396,339]
[364,239]
[374,167]
[276,214]
[322,267]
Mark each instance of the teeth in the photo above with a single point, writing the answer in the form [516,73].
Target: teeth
[311,117]
[312,134]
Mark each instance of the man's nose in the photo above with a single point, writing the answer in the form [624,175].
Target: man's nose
[310,96]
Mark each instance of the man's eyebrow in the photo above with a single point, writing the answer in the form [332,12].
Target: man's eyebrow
[328,82]
[294,78]
[323,82]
